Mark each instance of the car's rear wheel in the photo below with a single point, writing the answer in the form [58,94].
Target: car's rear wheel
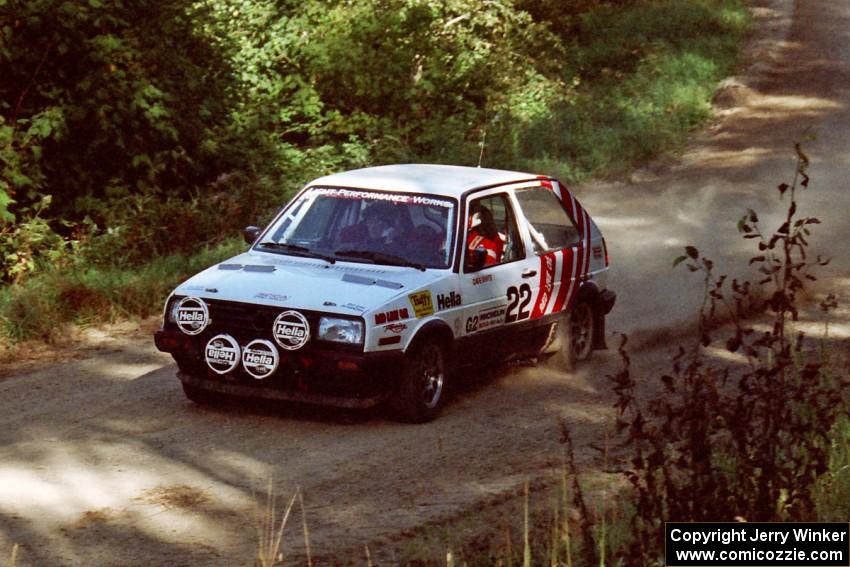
[570,339]
[582,322]
[421,391]
[554,353]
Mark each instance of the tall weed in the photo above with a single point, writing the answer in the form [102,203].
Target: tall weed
[753,440]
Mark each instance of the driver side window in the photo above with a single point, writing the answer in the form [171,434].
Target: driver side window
[492,236]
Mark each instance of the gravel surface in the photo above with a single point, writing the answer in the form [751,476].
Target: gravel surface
[104,462]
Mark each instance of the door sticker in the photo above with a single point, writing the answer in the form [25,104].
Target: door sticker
[448,301]
[518,300]
[422,304]
[486,319]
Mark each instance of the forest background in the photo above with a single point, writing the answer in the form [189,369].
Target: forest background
[137,137]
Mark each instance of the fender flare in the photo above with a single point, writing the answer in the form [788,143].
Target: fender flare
[591,293]
[434,327]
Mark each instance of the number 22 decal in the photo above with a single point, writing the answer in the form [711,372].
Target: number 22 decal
[518,300]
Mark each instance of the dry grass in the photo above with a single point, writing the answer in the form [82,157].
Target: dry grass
[270,529]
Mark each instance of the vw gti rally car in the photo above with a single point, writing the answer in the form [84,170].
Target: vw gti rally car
[378,284]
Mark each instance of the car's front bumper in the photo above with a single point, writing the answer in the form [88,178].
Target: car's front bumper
[315,375]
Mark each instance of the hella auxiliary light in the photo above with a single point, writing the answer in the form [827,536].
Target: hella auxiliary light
[340,330]
[190,314]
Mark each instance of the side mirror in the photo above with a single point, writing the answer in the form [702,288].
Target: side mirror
[251,233]
[476,259]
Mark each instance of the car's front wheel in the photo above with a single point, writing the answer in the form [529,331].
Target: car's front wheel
[196,394]
[421,390]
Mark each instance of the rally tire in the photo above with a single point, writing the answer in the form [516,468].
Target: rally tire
[555,353]
[421,391]
[581,328]
[197,395]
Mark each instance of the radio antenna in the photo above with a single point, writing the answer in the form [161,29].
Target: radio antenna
[483,142]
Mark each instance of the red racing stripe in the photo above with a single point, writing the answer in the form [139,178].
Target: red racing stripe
[568,257]
[547,284]
[581,252]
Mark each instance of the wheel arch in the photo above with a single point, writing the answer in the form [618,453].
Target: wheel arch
[589,292]
[435,328]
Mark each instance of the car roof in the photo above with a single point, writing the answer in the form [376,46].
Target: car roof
[444,180]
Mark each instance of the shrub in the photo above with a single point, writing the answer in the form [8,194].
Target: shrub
[748,441]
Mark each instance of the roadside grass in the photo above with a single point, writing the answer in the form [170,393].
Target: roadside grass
[14,556]
[42,305]
[644,77]
[548,525]
[540,526]
[833,489]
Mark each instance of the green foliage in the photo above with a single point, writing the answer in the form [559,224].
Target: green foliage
[833,489]
[645,74]
[115,93]
[136,128]
[31,244]
[40,307]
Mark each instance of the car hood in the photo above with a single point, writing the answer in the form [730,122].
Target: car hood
[305,283]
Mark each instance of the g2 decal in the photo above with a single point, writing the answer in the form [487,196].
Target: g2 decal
[518,300]
[486,319]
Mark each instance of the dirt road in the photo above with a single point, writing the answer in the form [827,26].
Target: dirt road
[104,462]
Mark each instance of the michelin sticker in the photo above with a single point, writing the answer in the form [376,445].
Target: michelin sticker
[192,315]
[260,359]
[222,354]
[291,330]
[422,304]
[490,318]
[486,319]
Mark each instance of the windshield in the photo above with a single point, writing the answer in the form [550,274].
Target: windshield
[376,227]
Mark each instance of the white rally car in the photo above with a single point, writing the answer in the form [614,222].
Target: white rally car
[379,284]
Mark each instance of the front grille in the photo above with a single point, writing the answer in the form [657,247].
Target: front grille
[247,321]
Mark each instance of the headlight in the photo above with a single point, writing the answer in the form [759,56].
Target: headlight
[171,313]
[340,330]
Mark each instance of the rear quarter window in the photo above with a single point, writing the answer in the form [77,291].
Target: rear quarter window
[550,226]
